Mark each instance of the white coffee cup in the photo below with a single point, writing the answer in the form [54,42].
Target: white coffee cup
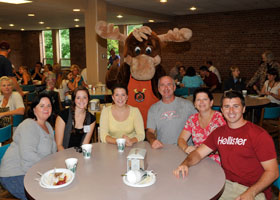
[103,88]
[134,176]
[244,92]
[87,148]
[89,87]
[71,164]
[121,144]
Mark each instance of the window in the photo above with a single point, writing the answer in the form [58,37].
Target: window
[64,48]
[130,28]
[48,48]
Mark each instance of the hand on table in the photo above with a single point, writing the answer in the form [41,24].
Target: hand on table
[157,144]
[128,141]
[183,169]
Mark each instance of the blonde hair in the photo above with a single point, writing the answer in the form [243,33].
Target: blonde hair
[75,66]
[5,78]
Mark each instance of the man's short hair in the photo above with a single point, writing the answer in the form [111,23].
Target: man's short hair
[230,94]
[204,68]
[4,46]
[209,62]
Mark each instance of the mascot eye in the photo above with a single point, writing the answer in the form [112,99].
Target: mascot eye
[148,50]
[137,50]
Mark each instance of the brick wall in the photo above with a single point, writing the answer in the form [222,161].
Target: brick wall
[78,46]
[232,38]
[24,46]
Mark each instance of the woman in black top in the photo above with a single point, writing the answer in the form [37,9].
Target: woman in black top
[234,82]
[74,126]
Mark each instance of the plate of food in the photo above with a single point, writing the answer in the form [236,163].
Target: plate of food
[253,95]
[148,179]
[56,178]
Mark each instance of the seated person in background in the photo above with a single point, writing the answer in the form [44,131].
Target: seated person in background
[113,59]
[209,78]
[271,87]
[26,78]
[47,72]
[37,75]
[167,117]
[180,76]
[200,125]
[174,71]
[58,75]
[121,120]
[246,150]
[64,90]
[191,79]
[50,86]
[268,61]
[213,69]
[74,126]
[11,102]
[77,79]
[234,82]
[32,141]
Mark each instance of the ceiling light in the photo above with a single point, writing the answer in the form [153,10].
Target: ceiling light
[193,8]
[77,25]
[163,1]
[22,29]
[0,27]
[76,10]
[119,16]
[48,27]
[11,25]
[41,22]
[31,15]
[15,1]
[76,20]
[151,20]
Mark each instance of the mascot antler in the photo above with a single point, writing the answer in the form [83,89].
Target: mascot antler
[108,31]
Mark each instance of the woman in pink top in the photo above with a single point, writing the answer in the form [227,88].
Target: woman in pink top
[201,124]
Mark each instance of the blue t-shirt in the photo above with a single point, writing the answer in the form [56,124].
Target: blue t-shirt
[192,81]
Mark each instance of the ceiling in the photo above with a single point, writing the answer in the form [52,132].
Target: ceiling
[58,14]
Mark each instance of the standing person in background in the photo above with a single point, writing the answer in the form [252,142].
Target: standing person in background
[209,78]
[36,74]
[113,59]
[6,68]
[234,82]
[213,69]
[267,63]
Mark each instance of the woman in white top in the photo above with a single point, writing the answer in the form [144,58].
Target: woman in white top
[121,120]
[271,87]
[10,99]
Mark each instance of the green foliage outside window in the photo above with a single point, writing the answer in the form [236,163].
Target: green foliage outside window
[48,47]
[65,47]
[130,28]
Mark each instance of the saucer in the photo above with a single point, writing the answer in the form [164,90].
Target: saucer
[149,180]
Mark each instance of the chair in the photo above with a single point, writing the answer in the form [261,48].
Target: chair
[6,133]
[3,149]
[16,120]
[217,108]
[277,182]
[270,121]
[30,88]
[185,91]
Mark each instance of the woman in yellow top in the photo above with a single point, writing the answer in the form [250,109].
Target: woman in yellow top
[121,120]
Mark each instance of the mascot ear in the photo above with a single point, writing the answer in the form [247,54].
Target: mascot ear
[108,31]
[176,35]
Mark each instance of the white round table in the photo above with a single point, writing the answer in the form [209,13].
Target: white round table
[100,176]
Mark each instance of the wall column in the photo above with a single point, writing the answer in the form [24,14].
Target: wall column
[96,47]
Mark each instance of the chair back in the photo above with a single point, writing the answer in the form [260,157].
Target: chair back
[191,90]
[30,96]
[271,112]
[217,108]
[29,88]
[3,150]
[5,133]
[17,119]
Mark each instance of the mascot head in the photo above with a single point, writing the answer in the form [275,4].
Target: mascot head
[142,48]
